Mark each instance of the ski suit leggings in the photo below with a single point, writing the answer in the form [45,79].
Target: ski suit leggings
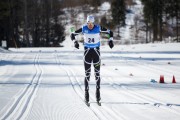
[92,55]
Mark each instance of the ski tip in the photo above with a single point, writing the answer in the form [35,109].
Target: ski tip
[87,103]
[99,103]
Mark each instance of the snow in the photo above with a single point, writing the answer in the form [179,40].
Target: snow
[105,6]
[47,83]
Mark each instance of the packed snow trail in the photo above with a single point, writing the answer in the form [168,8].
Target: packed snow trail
[49,84]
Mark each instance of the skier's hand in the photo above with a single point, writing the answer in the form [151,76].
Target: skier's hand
[72,36]
[76,44]
[111,44]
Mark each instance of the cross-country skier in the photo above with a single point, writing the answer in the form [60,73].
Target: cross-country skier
[91,33]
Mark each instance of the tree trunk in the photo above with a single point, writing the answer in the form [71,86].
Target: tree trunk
[177,26]
[118,31]
[25,24]
[146,33]
[160,25]
[47,22]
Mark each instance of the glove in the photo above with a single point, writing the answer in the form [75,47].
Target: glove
[72,36]
[111,45]
[76,44]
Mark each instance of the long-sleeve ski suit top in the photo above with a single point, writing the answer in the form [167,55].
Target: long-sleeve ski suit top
[92,36]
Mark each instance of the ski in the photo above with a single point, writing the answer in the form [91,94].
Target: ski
[87,103]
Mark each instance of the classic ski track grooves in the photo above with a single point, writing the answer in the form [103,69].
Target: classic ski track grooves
[24,98]
[74,84]
[97,110]
[105,109]
[146,65]
[22,105]
[143,97]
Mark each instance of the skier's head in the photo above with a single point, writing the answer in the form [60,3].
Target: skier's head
[90,18]
[90,21]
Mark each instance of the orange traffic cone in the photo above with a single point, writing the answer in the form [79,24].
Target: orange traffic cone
[173,80]
[161,79]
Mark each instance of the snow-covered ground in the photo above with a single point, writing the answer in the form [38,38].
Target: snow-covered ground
[47,83]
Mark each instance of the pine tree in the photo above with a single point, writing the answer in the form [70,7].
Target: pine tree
[95,4]
[118,13]
[156,10]
[152,14]
[4,19]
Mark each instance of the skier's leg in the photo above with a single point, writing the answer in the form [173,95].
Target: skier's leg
[98,81]
[97,65]
[97,75]
[86,80]
[87,75]
[87,66]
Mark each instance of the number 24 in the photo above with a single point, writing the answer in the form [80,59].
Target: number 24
[90,40]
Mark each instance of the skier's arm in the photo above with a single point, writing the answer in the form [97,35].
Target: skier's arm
[76,44]
[77,32]
[107,31]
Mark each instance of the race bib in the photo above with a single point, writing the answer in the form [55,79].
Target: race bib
[91,38]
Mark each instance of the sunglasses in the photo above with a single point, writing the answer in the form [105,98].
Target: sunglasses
[89,23]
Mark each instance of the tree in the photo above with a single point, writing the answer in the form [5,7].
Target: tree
[4,19]
[26,23]
[118,13]
[10,21]
[35,20]
[95,4]
[156,10]
[152,15]
[177,14]
[57,30]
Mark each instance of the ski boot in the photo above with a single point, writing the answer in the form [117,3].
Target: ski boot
[87,98]
[98,98]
